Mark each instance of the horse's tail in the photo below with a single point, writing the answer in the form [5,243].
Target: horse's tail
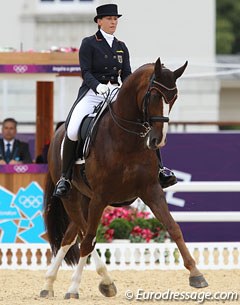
[56,223]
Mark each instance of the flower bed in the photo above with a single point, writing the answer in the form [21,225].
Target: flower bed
[130,223]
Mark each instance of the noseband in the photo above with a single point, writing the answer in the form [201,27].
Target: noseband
[147,120]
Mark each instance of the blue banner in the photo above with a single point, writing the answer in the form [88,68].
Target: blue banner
[21,218]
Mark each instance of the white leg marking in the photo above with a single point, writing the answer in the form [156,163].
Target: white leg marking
[101,268]
[51,274]
[77,275]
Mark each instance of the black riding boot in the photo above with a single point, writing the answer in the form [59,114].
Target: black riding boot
[165,175]
[63,186]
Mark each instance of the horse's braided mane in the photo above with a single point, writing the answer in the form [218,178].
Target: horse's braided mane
[139,69]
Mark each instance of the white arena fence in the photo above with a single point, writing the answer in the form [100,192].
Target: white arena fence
[162,256]
[125,256]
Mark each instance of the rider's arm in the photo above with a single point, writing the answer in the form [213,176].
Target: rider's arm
[85,58]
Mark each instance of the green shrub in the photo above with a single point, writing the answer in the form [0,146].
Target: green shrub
[100,238]
[121,227]
[154,224]
[142,223]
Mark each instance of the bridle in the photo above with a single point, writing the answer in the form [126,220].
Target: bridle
[146,125]
[159,87]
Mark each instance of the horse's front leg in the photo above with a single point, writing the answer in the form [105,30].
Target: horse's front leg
[106,286]
[155,199]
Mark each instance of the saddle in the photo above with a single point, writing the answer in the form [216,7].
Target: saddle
[88,129]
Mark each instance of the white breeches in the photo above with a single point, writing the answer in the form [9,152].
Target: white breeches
[83,108]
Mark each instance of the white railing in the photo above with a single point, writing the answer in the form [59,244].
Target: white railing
[224,216]
[128,256]
[206,186]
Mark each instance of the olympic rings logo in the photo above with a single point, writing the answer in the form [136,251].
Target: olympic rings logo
[31,201]
[20,68]
[20,168]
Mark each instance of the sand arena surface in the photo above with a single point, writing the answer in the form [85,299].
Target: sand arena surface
[19,287]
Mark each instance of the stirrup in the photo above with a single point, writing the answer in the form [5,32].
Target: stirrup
[62,187]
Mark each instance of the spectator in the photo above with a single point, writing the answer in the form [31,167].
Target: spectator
[12,151]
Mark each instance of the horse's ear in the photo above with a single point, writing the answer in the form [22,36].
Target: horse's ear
[158,68]
[180,70]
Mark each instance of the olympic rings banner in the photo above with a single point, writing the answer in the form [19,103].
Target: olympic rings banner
[26,69]
[21,218]
[23,168]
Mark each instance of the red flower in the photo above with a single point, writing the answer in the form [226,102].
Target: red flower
[144,234]
[109,235]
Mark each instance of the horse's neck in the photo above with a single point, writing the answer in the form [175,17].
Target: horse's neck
[126,105]
[125,108]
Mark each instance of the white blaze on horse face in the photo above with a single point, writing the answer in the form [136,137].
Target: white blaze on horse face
[61,148]
[166,108]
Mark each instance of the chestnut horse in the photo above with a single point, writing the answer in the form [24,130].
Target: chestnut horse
[122,165]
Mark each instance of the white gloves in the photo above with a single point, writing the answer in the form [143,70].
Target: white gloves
[102,89]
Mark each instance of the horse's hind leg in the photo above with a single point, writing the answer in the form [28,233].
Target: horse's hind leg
[157,203]
[106,286]
[51,275]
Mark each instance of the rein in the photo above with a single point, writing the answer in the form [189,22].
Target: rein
[145,125]
[147,120]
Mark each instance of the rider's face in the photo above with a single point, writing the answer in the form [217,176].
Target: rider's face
[108,24]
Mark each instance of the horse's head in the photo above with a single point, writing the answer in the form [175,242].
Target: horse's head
[158,101]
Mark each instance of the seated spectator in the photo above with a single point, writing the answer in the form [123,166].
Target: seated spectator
[43,157]
[12,151]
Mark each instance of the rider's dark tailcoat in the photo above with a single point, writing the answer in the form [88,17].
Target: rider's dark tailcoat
[101,63]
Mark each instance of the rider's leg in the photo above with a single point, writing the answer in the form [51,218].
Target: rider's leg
[166,176]
[84,107]
[64,184]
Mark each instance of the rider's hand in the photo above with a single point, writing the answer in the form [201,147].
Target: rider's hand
[102,89]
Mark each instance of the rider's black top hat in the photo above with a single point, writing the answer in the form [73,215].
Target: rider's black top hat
[106,10]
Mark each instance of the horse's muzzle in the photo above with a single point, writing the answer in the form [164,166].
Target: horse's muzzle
[155,143]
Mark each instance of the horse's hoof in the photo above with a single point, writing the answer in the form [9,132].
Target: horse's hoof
[198,281]
[70,295]
[46,294]
[108,290]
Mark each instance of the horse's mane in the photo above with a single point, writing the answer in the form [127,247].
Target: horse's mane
[131,77]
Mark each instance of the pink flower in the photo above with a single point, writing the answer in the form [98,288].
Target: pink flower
[109,235]
[136,230]
[144,234]
[147,235]
[111,213]
[142,214]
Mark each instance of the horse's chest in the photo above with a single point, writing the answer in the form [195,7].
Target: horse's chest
[129,173]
